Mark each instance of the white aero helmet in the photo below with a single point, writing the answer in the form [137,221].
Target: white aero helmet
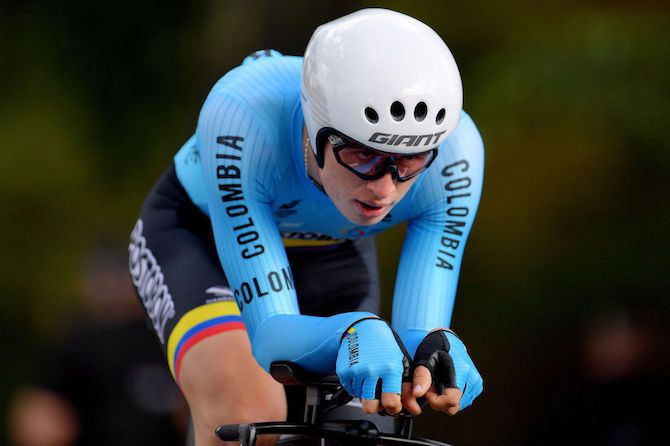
[383,79]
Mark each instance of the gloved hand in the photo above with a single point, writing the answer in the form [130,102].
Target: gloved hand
[370,354]
[444,374]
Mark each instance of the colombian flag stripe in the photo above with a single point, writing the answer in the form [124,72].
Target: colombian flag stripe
[199,319]
[198,336]
[196,331]
[293,243]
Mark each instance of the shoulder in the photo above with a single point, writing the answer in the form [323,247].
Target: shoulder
[254,100]
[260,69]
[465,136]
[465,141]
[246,120]
[264,71]
[265,84]
[457,170]
[464,147]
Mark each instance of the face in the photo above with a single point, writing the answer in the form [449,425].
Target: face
[363,202]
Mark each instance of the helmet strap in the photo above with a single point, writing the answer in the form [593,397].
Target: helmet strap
[320,154]
[307,152]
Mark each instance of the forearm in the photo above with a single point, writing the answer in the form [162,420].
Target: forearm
[309,341]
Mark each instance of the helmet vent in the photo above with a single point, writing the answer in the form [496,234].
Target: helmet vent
[371,115]
[440,116]
[397,111]
[420,111]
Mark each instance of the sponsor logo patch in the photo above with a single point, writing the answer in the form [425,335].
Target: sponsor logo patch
[149,281]
[220,293]
[287,209]
[390,139]
[352,344]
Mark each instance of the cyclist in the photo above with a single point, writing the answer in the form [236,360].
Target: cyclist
[257,243]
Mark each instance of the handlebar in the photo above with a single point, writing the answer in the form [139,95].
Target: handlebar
[323,393]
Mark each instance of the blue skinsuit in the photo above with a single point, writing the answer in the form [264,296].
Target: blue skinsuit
[244,168]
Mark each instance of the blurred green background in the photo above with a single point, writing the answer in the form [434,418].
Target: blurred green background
[572,99]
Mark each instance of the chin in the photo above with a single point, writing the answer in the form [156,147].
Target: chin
[363,221]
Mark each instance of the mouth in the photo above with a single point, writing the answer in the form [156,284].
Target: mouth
[370,210]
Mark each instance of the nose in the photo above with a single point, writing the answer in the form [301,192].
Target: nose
[382,187]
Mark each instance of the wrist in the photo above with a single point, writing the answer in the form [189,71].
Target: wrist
[348,329]
[411,338]
[446,330]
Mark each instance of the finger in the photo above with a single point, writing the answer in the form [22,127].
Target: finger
[357,387]
[409,400]
[370,406]
[448,402]
[348,385]
[451,396]
[421,381]
[391,402]
[369,388]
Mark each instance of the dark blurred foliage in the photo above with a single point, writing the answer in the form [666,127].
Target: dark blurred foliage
[571,97]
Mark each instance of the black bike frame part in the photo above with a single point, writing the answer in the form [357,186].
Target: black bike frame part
[291,374]
[353,432]
[405,426]
[322,395]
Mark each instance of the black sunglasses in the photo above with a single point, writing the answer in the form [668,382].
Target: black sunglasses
[371,164]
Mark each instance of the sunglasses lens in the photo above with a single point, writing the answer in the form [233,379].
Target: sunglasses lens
[361,160]
[409,165]
[370,164]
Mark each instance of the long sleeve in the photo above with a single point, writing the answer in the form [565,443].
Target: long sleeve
[240,170]
[433,249]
